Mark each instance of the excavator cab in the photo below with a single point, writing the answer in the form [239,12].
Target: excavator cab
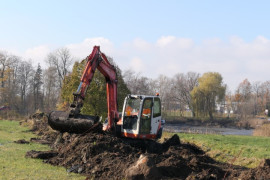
[141,117]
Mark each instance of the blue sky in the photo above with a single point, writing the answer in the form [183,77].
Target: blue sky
[46,25]
[62,22]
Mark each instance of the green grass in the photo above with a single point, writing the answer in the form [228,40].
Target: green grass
[246,150]
[239,150]
[14,165]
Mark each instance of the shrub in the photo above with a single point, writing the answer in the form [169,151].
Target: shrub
[263,130]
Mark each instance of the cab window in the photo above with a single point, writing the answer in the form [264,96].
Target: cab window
[130,118]
[145,124]
[157,107]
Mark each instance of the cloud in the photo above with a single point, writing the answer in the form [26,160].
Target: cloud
[137,64]
[235,59]
[141,44]
[37,54]
[165,41]
[83,49]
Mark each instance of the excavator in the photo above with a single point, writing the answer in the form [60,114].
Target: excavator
[140,117]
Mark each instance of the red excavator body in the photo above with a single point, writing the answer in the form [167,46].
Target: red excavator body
[137,125]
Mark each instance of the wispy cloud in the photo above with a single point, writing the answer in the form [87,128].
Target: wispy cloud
[37,54]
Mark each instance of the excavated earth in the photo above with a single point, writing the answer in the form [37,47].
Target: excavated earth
[100,155]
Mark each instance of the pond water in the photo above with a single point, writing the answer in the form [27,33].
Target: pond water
[206,130]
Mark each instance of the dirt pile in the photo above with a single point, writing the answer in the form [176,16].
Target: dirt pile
[261,172]
[101,155]
[39,125]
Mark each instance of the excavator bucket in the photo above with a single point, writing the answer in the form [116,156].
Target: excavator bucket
[61,121]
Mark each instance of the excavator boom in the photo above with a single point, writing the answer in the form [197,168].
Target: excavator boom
[98,60]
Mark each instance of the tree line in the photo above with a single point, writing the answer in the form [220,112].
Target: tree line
[26,89]
[203,95]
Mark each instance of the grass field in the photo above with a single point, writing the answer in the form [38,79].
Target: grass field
[239,150]
[14,165]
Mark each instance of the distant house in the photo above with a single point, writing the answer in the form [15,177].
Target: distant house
[226,108]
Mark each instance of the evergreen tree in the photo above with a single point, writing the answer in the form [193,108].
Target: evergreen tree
[95,102]
[38,100]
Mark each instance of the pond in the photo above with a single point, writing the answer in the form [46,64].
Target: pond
[206,130]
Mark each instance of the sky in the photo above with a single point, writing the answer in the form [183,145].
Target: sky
[151,37]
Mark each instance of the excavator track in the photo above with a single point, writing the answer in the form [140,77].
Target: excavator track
[60,121]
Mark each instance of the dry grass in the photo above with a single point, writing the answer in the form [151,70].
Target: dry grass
[263,130]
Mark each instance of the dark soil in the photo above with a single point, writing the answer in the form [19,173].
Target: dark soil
[101,155]
[21,141]
[41,154]
[41,141]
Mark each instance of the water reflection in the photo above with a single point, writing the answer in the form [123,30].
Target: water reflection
[206,130]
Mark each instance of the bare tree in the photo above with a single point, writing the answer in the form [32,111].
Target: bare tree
[51,90]
[6,60]
[163,86]
[22,89]
[60,59]
[12,82]
[256,89]
[243,98]
[137,84]
[25,72]
[245,90]
[263,98]
[183,84]
[8,73]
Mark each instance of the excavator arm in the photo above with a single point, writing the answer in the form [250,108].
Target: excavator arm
[98,60]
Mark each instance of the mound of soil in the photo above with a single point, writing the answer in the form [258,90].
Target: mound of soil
[261,172]
[101,155]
